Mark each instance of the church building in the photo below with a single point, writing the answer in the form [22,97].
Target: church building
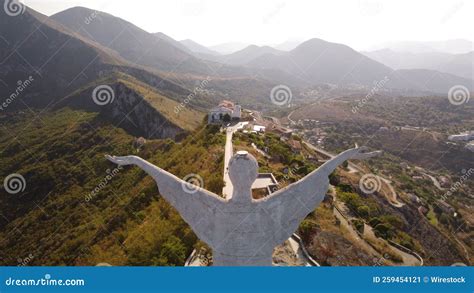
[225,110]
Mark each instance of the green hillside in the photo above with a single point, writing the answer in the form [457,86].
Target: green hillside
[78,209]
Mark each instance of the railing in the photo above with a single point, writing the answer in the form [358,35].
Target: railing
[399,246]
[311,261]
[407,250]
[191,258]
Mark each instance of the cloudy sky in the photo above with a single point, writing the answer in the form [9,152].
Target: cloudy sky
[357,23]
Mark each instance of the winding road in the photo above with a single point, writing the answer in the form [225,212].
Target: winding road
[353,168]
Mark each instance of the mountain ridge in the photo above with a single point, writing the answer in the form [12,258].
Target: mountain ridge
[456,64]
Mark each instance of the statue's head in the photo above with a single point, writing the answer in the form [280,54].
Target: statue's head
[243,170]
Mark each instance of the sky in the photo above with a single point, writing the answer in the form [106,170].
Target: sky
[361,24]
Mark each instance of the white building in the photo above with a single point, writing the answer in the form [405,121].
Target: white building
[470,146]
[258,128]
[218,114]
[467,136]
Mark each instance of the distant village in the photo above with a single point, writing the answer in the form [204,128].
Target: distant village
[467,137]
[228,113]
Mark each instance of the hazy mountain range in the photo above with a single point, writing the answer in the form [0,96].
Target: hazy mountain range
[318,61]
[457,64]
[456,46]
[78,47]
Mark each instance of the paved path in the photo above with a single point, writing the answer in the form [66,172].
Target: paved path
[434,180]
[289,117]
[407,259]
[260,151]
[228,151]
[394,199]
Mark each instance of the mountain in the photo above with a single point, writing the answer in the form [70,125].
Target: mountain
[288,45]
[318,61]
[129,41]
[160,56]
[456,64]
[460,64]
[312,62]
[248,54]
[228,48]
[198,48]
[428,80]
[53,68]
[53,58]
[170,40]
[406,60]
[457,46]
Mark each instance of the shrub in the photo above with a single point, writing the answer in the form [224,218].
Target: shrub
[359,225]
[306,229]
[383,230]
[363,211]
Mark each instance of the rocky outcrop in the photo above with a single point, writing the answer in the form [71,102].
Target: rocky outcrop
[125,108]
[331,249]
[132,112]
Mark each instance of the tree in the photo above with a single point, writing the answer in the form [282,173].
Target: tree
[359,225]
[345,164]
[363,211]
[383,230]
[226,118]
[306,229]
[172,252]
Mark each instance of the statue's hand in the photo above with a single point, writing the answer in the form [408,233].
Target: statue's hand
[359,153]
[121,161]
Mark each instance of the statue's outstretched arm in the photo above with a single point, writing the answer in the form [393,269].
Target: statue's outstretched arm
[196,206]
[357,153]
[290,205]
